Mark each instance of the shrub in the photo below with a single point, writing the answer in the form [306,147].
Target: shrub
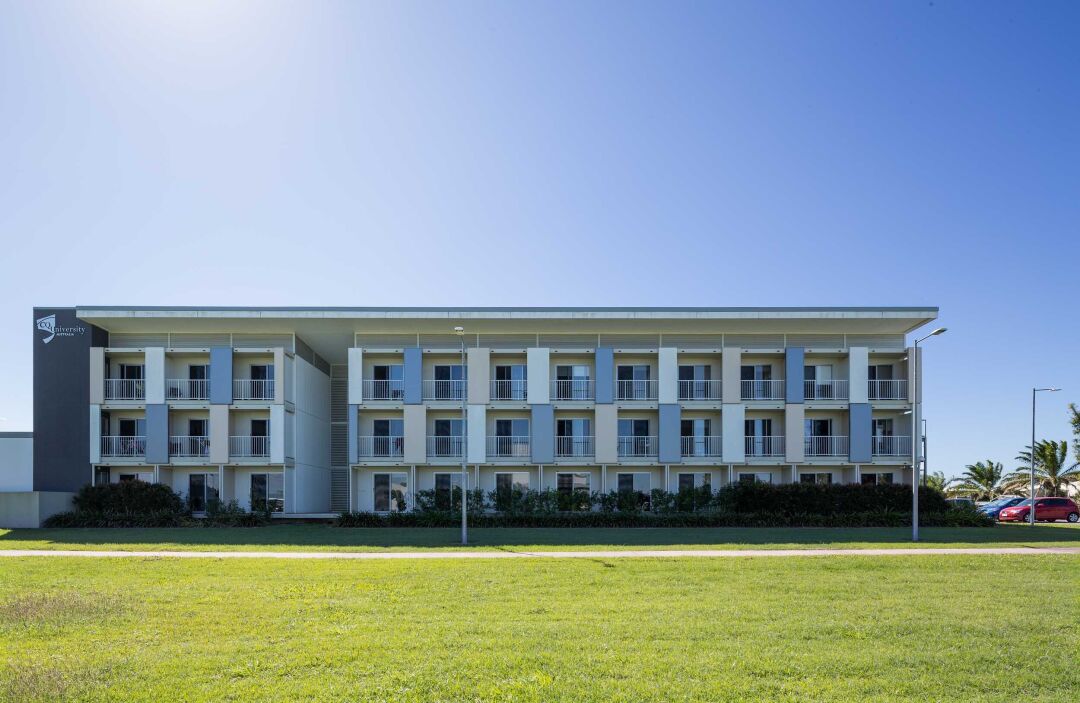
[128,498]
[825,499]
[83,518]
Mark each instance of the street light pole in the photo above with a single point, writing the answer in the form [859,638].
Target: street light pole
[916,429]
[1031,495]
[460,332]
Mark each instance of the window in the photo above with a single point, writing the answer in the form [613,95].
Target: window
[512,437]
[449,382]
[131,372]
[101,475]
[572,382]
[759,436]
[387,382]
[449,438]
[262,372]
[871,479]
[633,381]
[202,491]
[124,478]
[132,427]
[879,372]
[696,435]
[755,477]
[390,492]
[197,428]
[694,381]
[570,482]
[388,437]
[689,482]
[822,477]
[818,382]
[506,485]
[573,436]
[445,485]
[756,380]
[756,372]
[198,372]
[268,493]
[510,382]
[639,484]
[634,438]
[633,428]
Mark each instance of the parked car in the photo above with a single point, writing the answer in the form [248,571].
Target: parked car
[960,502]
[996,506]
[1048,509]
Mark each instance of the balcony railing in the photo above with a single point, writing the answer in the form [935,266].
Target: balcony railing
[573,389]
[245,447]
[253,389]
[187,389]
[765,446]
[636,390]
[893,445]
[762,390]
[125,389]
[888,390]
[381,447]
[699,390]
[826,390]
[445,446]
[826,445]
[123,446]
[576,446]
[444,389]
[383,390]
[189,446]
[508,390]
[637,446]
[693,446]
[508,447]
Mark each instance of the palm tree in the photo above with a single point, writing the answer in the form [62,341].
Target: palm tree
[981,481]
[936,480]
[1053,473]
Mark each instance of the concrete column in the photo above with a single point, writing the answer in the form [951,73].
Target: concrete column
[154,375]
[538,385]
[479,386]
[413,372]
[221,375]
[542,429]
[795,375]
[356,374]
[669,434]
[859,431]
[415,417]
[97,375]
[731,371]
[279,380]
[219,433]
[277,434]
[157,434]
[95,433]
[668,375]
[477,439]
[795,446]
[858,373]
[734,440]
[605,375]
[912,381]
[606,426]
[354,434]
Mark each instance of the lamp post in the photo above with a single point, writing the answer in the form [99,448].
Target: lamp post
[460,332]
[1031,495]
[915,427]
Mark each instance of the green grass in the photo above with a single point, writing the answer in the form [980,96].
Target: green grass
[925,628]
[326,538]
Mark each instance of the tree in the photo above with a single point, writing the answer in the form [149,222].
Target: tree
[1053,472]
[981,481]
[936,480]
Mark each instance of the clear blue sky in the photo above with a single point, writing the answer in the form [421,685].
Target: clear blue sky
[738,153]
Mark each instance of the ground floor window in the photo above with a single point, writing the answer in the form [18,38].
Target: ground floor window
[822,477]
[638,485]
[390,492]
[445,485]
[124,478]
[573,490]
[876,478]
[755,478]
[688,482]
[510,487]
[268,493]
[101,475]
[202,491]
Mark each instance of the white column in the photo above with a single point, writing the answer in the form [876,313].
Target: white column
[538,385]
[277,434]
[280,375]
[415,422]
[734,439]
[858,372]
[97,375]
[479,363]
[794,445]
[95,434]
[668,373]
[154,374]
[356,375]
[477,439]
[219,434]
[731,372]
[606,433]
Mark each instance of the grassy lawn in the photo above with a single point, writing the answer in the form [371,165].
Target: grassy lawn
[799,629]
[326,538]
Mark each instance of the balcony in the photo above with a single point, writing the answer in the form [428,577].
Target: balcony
[508,448]
[694,446]
[761,390]
[187,447]
[123,446]
[888,390]
[244,447]
[444,390]
[637,446]
[125,389]
[825,446]
[508,390]
[253,389]
[383,390]
[187,389]
[636,390]
[891,446]
[445,446]
[765,446]
[825,390]
[699,390]
[573,389]
[576,446]
[381,447]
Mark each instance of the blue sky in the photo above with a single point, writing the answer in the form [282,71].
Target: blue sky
[625,153]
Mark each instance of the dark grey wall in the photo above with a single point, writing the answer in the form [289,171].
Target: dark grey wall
[62,399]
[542,427]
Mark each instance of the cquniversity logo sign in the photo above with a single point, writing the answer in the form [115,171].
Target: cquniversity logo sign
[47,325]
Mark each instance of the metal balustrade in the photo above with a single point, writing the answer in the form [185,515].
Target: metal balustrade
[123,446]
[825,445]
[445,446]
[701,446]
[836,389]
[573,389]
[700,390]
[636,390]
[187,389]
[892,445]
[508,390]
[637,446]
[125,389]
[508,447]
[189,446]
[381,446]
[575,446]
[383,390]
[764,446]
[888,389]
[245,447]
[253,389]
[444,389]
[761,390]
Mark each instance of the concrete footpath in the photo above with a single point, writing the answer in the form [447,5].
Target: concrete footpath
[506,554]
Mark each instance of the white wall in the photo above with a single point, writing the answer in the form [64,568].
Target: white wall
[16,462]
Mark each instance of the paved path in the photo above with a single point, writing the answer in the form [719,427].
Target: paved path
[504,554]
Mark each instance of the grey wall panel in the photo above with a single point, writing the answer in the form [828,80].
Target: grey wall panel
[605,375]
[414,368]
[670,449]
[157,434]
[542,427]
[795,371]
[221,375]
[859,450]
[354,434]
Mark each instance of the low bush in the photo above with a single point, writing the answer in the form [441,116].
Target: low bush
[141,504]
[85,518]
[128,498]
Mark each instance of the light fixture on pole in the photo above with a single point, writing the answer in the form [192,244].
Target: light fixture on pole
[460,332]
[1031,495]
[915,428]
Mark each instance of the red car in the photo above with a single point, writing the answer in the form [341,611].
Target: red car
[1048,509]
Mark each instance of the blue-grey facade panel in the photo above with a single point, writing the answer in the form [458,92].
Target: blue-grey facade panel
[354,434]
[414,369]
[221,375]
[859,432]
[795,372]
[605,375]
[157,434]
[670,433]
[542,440]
